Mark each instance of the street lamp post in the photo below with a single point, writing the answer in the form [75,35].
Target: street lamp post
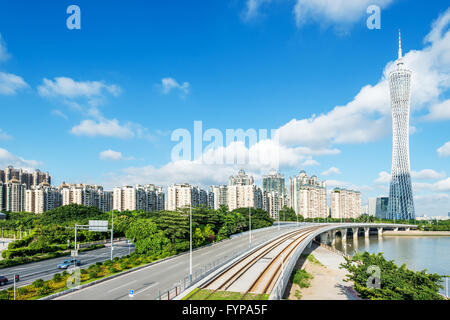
[14,286]
[75,248]
[190,240]
[250,223]
[112,234]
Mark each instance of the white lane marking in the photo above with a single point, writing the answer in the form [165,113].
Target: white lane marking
[126,284]
[152,285]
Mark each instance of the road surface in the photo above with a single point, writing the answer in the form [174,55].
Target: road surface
[45,269]
[148,282]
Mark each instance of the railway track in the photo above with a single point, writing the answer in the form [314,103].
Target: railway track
[266,279]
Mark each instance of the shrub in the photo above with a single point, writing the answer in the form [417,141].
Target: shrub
[45,289]
[22,291]
[39,283]
[57,277]
[99,263]
[92,275]
[4,295]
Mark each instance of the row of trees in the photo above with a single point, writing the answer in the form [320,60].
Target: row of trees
[159,233]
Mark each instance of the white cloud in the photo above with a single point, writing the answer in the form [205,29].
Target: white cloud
[69,88]
[112,128]
[59,113]
[169,84]
[383,177]
[4,55]
[436,204]
[443,185]
[105,127]
[444,151]
[217,164]
[4,135]
[110,155]
[7,158]
[427,174]
[252,7]
[331,171]
[439,111]
[341,13]
[10,83]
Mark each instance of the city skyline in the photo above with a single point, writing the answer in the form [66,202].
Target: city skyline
[105,116]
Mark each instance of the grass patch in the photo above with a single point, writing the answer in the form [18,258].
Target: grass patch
[313,259]
[205,294]
[298,294]
[302,278]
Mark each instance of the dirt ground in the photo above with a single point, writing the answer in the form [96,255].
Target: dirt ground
[327,283]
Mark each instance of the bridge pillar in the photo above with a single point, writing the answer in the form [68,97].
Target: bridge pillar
[344,235]
[408,229]
[380,232]
[366,232]
[396,229]
[355,234]
[324,237]
[333,237]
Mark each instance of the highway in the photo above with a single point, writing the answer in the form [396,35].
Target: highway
[47,268]
[150,281]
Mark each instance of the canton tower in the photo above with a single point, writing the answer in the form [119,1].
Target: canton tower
[401,204]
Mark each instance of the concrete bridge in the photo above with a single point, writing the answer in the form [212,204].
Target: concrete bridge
[328,234]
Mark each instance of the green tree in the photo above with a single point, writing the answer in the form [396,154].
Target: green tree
[141,229]
[197,238]
[396,283]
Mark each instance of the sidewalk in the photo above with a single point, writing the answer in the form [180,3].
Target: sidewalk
[327,283]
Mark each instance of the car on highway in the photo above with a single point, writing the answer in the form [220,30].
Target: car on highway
[3,280]
[67,263]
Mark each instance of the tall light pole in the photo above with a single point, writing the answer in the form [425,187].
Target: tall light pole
[190,239]
[112,233]
[249,222]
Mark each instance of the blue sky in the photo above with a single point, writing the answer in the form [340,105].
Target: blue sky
[99,105]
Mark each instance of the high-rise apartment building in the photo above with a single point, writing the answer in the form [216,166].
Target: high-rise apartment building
[218,196]
[2,196]
[274,193]
[243,193]
[401,203]
[184,195]
[382,204]
[241,179]
[24,177]
[308,196]
[372,206]
[273,202]
[14,195]
[274,182]
[42,198]
[345,204]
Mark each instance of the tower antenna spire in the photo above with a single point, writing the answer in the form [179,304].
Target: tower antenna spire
[399,61]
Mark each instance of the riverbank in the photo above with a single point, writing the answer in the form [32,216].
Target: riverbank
[417,233]
[327,282]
